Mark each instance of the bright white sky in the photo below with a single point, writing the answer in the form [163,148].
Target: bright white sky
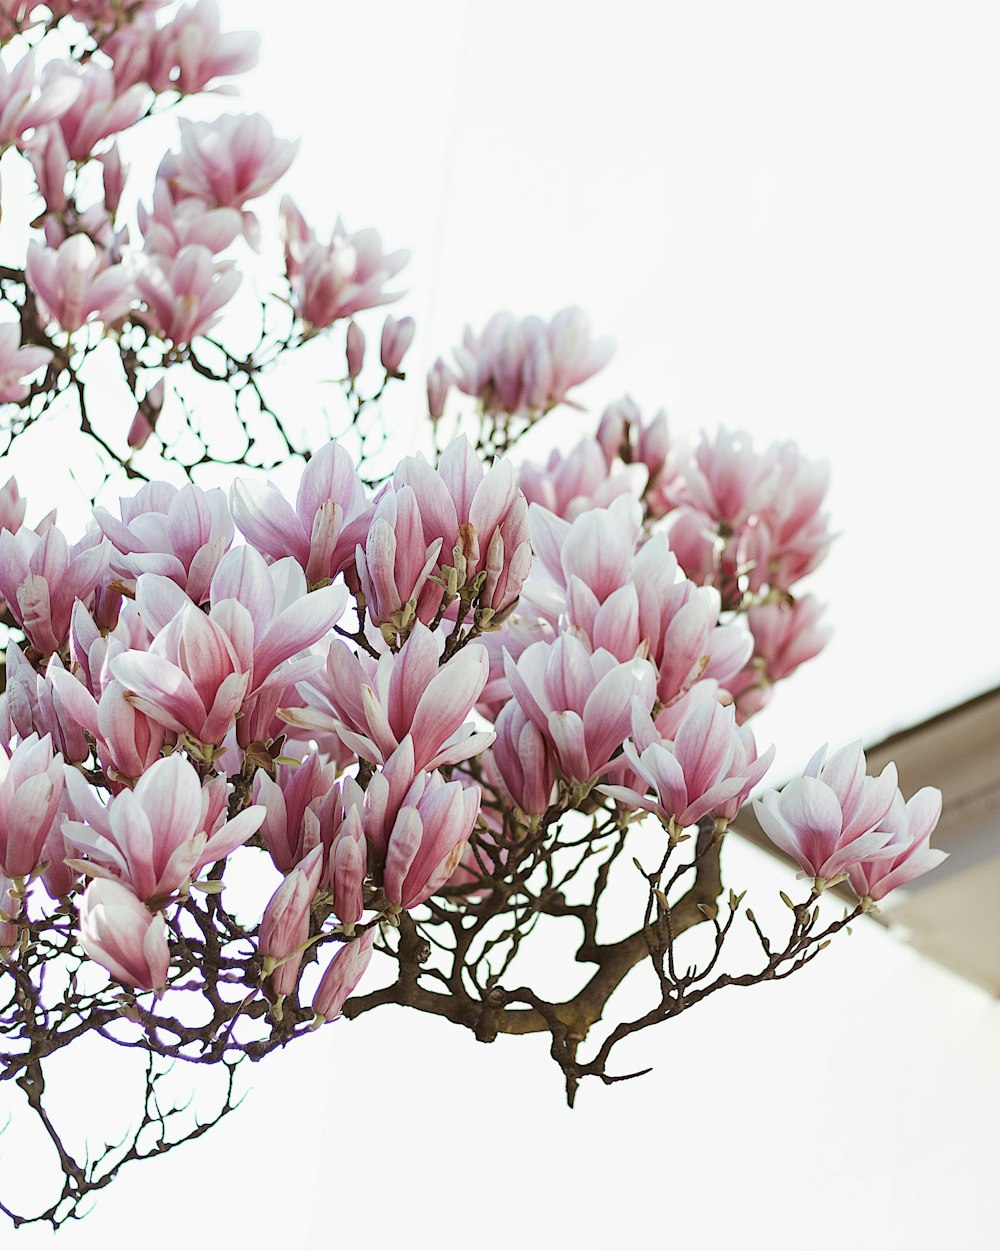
[786,214]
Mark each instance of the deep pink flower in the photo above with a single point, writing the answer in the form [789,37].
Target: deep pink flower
[524,760]
[291,827]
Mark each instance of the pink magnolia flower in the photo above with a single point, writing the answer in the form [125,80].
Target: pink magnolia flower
[184,294]
[427,838]
[571,484]
[347,867]
[397,335]
[174,224]
[191,51]
[291,827]
[75,285]
[479,517]
[396,561]
[146,416]
[439,381]
[13,506]
[36,705]
[181,534]
[373,706]
[709,768]
[355,349]
[154,837]
[831,818]
[230,160]
[528,367]
[41,577]
[331,515]
[118,932]
[25,103]
[797,534]
[785,635]
[338,279]
[31,783]
[524,760]
[908,854]
[17,363]
[98,108]
[342,975]
[580,702]
[284,928]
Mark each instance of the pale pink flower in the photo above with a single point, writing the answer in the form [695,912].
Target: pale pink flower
[174,224]
[347,867]
[230,160]
[708,769]
[427,838]
[98,108]
[191,51]
[13,506]
[581,702]
[479,518]
[372,707]
[146,416]
[573,483]
[524,760]
[17,363]
[912,823]
[36,704]
[338,279]
[342,975]
[153,837]
[284,928]
[528,367]
[395,562]
[41,577]
[31,783]
[185,293]
[331,515]
[397,335]
[355,348]
[785,636]
[439,381]
[25,103]
[75,285]
[831,818]
[118,932]
[181,534]
[291,827]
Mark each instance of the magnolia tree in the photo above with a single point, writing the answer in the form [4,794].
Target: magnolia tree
[438,719]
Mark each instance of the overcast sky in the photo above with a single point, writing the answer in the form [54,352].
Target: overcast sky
[787,216]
